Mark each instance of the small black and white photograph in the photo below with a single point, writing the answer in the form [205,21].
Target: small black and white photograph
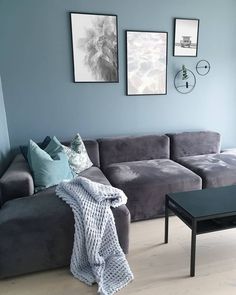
[95,47]
[146,62]
[186,37]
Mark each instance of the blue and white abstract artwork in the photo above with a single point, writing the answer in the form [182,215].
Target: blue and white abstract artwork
[146,63]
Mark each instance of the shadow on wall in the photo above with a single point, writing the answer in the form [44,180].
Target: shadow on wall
[5,153]
[4,161]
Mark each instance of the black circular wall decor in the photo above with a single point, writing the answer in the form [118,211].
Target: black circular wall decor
[203,67]
[185,85]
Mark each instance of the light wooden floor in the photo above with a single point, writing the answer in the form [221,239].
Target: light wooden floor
[158,268]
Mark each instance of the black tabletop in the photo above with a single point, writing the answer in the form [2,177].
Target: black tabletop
[207,202]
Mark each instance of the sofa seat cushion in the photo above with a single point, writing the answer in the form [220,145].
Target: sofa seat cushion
[147,182]
[95,174]
[215,169]
[37,232]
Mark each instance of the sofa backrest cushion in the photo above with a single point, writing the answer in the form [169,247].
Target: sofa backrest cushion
[17,181]
[193,143]
[135,148]
[92,150]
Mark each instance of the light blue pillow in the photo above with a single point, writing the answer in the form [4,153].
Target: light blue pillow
[54,147]
[48,170]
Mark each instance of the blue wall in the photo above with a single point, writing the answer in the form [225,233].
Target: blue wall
[36,69]
[4,138]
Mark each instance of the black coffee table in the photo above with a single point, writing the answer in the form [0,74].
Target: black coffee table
[202,211]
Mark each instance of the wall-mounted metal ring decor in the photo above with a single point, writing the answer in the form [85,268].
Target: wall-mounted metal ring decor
[203,67]
[185,86]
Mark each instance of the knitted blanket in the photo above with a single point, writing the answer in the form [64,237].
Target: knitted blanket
[97,255]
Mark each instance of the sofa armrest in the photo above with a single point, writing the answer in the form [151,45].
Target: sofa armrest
[17,181]
[122,221]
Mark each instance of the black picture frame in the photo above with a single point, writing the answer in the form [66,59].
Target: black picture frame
[95,55]
[186,37]
[161,75]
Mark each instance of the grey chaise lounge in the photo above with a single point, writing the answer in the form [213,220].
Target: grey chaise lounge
[36,230]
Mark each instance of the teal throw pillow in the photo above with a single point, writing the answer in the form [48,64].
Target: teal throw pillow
[54,147]
[48,170]
[42,145]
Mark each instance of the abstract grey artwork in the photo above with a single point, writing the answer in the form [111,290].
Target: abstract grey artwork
[186,37]
[95,47]
[146,62]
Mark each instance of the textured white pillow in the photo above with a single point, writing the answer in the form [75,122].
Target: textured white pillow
[78,156]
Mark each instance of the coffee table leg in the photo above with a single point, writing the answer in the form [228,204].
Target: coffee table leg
[193,248]
[166,219]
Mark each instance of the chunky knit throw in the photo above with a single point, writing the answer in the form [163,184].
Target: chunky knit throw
[97,255]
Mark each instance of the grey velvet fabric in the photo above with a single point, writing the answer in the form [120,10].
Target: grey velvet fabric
[137,148]
[17,181]
[194,143]
[147,182]
[37,232]
[215,169]
[93,151]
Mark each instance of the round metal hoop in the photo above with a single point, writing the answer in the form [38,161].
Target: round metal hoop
[185,86]
[203,67]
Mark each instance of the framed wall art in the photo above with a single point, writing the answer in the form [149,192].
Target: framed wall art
[95,47]
[146,53]
[186,37]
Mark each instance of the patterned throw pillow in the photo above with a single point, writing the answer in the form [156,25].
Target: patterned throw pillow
[78,156]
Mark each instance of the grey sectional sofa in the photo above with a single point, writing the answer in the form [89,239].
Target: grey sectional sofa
[36,230]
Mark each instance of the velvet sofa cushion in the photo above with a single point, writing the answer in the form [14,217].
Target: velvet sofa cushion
[136,148]
[214,169]
[193,143]
[17,181]
[147,182]
[37,232]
